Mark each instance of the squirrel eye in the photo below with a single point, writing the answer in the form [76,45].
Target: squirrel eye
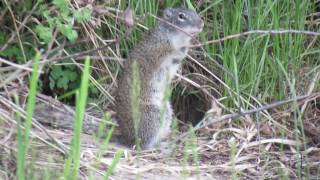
[182,16]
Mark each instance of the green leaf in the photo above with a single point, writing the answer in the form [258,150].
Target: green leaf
[71,75]
[51,20]
[82,14]
[56,72]
[45,33]
[61,4]
[63,83]
[67,31]
[11,52]
[66,17]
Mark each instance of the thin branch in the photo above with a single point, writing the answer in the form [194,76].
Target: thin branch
[8,104]
[310,89]
[233,116]
[262,108]
[264,32]
[18,66]
[80,54]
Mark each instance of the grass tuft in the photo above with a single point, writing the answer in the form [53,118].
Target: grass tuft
[23,138]
[73,162]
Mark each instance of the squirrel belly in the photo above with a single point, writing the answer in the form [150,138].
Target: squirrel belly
[160,84]
[163,76]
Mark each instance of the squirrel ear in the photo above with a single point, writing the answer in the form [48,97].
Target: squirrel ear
[167,12]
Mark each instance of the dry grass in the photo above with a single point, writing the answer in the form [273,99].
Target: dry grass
[263,150]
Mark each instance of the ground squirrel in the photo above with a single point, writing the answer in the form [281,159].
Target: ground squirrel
[158,57]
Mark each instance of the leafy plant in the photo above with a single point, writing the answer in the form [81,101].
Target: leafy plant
[62,18]
[44,33]
[64,80]
[82,14]
[13,51]
[63,77]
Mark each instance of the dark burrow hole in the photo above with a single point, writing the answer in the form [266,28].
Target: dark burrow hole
[191,103]
[190,108]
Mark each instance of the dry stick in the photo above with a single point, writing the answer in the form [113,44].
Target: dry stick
[16,74]
[50,44]
[80,54]
[107,58]
[233,116]
[92,79]
[18,66]
[310,89]
[64,45]
[60,146]
[205,91]
[269,106]
[265,32]
[8,118]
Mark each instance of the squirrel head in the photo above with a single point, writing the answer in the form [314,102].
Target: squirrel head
[180,24]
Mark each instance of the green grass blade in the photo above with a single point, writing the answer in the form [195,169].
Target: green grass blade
[80,110]
[24,142]
[74,159]
[113,165]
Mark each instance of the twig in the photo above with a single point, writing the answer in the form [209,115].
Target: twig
[310,89]
[105,58]
[265,32]
[269,106]
[24,67]
[58,145]
[203,124]
[80,54]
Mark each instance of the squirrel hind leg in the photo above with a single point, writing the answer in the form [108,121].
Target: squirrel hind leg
[154,126]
